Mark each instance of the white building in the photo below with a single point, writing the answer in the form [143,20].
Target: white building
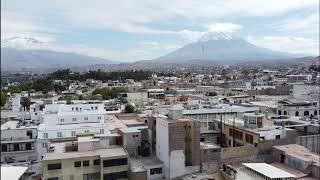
[62,121]
[138,98]
[15,102]
[18,142]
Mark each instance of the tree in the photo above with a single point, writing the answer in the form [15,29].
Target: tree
[107,93]
[3,99]
[25,103]
[129,108]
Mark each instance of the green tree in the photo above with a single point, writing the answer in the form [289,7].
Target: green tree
[3,99]
[129,108]
[107,93]
[25,103]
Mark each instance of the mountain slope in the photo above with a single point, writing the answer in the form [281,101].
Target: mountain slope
[222,47]
[18,59]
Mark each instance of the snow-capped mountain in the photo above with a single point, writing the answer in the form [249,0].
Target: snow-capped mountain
[20,52]
[32,59]
[22,42]
[221,47]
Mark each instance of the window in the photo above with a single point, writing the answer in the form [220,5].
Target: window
[101,131]
[96,162]
[4,148]
[117,175]
[85,163]
[28,146]
[29,133]
[91,176]
[53,178]
[73,133]
[72,108]
[91,107]
[61,120]
[54,166]
[99,117]
[115,162]
[45,135]
[16,147]
[59,134]
[96,107]
[86,118]
[44,145]
[77,164]
[277,136]
[71,177]
[249,138]
[156,171]
[86,131]
[74,119]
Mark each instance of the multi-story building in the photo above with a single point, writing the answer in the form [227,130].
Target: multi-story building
[299,78]
[298,108]
[178,144]
[18,142]
[253,127]
[62,121]
[84,159]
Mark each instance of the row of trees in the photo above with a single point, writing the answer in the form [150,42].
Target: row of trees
[112,93]
[67,74]
[44,85]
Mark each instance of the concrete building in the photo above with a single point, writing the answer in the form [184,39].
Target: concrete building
[146,169]
[156,93]
[18,142]
[248,131]
[310,92]
[299,78]
[139,99]
[84,159]
[300,108]
[206,113]
[297,157]
[178,145]
[61,121]
[15,103]
[135,141]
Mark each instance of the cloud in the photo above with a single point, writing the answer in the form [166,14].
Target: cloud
[51,19]
[302,25]
[224,27]
[296,45]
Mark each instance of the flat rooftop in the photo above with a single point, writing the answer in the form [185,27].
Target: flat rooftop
[13,125]
[140,164]
[133,129]
[103,153]
[299,152]
[268,170]
[12,172]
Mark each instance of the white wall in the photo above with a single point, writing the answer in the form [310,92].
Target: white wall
[162,146]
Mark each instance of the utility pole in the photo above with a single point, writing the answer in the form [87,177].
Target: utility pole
[221,134]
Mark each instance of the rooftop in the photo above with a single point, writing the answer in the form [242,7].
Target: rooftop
[138,165]
[12,172]
[103,153]
[268,170]
[299,152]
[14,125]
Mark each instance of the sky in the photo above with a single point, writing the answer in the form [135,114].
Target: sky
[132,30]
